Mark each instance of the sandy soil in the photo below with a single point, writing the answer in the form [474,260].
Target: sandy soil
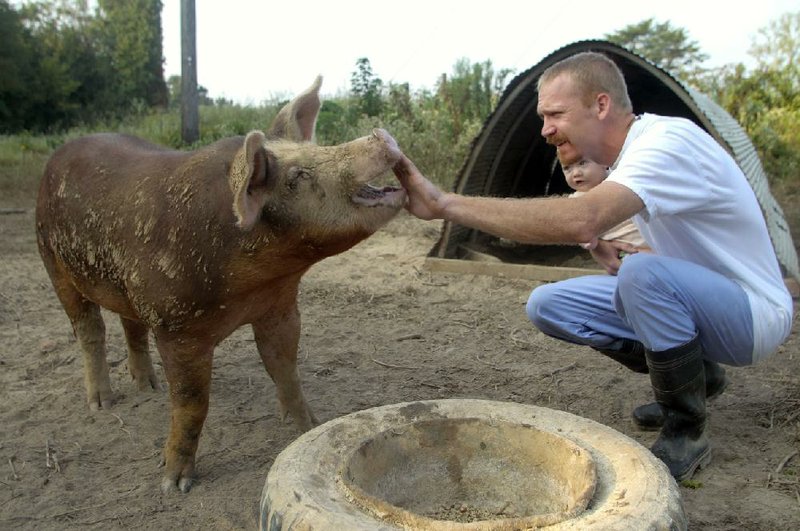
[377,329]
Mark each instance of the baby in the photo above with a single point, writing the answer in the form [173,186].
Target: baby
[583,175]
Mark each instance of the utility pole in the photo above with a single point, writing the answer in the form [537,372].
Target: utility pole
[190,122]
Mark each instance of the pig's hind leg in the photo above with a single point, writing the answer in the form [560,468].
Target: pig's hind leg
[277,338]
[139,363]
[87,323]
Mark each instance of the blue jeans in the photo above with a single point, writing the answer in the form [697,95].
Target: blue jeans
[660,301]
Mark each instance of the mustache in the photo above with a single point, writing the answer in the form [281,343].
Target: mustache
[555,140]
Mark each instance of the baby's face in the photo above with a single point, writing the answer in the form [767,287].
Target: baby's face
[584,175]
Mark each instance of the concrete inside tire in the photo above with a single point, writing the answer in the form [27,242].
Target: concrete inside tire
[468,464]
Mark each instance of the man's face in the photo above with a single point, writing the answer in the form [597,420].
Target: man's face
[584,175]
[568,122]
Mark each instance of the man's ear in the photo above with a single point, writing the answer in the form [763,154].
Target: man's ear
[603,104]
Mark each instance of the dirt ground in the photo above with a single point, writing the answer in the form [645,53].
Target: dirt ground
[378,328]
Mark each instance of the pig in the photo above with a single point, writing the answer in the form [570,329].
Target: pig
[191,245]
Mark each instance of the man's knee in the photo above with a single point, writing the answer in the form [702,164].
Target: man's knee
[540,301]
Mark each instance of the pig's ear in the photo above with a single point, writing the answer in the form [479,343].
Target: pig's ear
[250,180]
[298,119]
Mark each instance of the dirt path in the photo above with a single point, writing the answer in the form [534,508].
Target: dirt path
[377,329]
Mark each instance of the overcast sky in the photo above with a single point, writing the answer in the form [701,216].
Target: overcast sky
[256,50]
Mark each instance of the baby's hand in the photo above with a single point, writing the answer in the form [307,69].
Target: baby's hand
[609,254]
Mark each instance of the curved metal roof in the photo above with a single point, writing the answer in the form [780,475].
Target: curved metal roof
[509,150]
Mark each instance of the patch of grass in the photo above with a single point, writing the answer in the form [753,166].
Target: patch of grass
[164,128]
[22,158]
[692,484]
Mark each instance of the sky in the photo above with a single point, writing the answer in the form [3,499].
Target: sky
[251,51]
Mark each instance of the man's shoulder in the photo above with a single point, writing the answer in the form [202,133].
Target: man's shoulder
[654,120]
[668,130]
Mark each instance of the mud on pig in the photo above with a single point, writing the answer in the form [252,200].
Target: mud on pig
[193,245]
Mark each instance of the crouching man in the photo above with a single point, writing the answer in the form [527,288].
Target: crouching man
[711,293]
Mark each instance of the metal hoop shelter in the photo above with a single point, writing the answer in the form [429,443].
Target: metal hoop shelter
[509,157]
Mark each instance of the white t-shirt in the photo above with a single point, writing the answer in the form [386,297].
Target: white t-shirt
[699,207]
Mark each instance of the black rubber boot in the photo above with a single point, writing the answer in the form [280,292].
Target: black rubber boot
[679,385]
[630,355]
[649,417]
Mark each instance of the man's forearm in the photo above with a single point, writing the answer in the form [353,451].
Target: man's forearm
[528,220]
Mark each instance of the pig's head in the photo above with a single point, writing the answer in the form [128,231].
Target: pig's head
[284,180]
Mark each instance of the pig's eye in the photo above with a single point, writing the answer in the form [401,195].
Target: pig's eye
[296,176]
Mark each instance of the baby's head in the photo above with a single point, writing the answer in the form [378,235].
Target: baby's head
[583,174]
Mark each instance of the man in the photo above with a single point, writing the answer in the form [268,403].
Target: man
[710,293]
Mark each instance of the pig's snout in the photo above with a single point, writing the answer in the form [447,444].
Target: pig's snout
[382,134]
[391,144]
[389,154]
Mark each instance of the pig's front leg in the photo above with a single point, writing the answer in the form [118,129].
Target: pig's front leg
[277,337]
[187,366]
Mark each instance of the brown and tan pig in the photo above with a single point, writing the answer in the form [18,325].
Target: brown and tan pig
[193,245]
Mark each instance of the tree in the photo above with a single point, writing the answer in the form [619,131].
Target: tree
[203,96]
[471,92]
[16,66]
[174,91]
[64,80]
[63,63]
[776,49]
[668,47]
[399,105]
[366,87]
[131,38]
[766,101]
[331,122]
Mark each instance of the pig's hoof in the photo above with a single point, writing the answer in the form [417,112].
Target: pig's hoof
[182,483]
[178,477]
[100,401]
[304,419]
[147,383]
[169,485]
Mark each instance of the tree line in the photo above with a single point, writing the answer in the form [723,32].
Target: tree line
[65,64]
[764,99]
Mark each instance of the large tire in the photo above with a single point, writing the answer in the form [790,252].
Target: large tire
[304,488]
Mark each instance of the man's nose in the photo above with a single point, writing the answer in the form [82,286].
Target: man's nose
[547,129]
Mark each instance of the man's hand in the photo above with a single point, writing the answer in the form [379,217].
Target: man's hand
[607,254]
[424,197]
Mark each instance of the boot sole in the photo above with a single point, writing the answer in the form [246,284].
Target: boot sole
[647,427]
[702,462]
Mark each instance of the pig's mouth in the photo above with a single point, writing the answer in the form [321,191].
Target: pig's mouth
[382,196]
[372,196]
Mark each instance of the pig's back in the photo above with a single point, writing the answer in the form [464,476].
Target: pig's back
[86,162]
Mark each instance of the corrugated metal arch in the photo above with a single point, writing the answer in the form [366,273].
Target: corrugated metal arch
[510,149]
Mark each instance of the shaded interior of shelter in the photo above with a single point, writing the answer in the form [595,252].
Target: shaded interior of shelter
[510,158]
